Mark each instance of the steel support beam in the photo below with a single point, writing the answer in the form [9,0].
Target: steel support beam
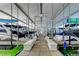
[24,12]
[11,27]
[68,16]
[60,10]
[40,8]
[10,15]
[41,12]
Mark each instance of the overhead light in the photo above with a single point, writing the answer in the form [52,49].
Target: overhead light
[41,15]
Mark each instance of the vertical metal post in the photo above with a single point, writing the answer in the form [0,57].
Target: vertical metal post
[47,24]
[26,27]
[41,13]
[11,25]
[64,44]
[55,26]
[28,20]
[63,24]
[35,25]
[52,22]
[17,25]
[69,28]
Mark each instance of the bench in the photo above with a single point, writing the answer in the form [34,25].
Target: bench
[51,44]
[29,44]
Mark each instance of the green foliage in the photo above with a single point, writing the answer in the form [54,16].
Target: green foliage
[11,52]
